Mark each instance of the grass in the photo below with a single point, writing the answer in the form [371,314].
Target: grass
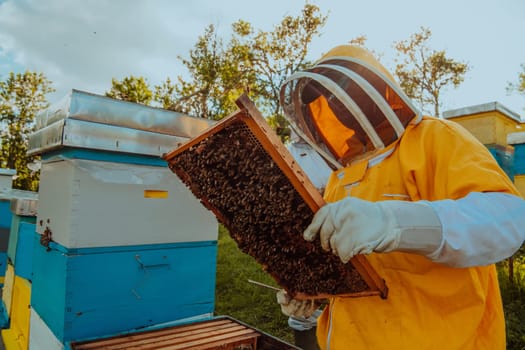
[244,301]
[513,296]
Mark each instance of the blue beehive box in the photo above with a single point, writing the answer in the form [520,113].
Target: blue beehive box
[19,223]
[6,193]
[5,227]
[23,257]
[5,214]
[504,155]
[13,204]
[23,229]
[519,159]
[517,140]
[90,292]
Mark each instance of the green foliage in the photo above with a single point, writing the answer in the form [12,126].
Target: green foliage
[244,301]
[22,95]
[219,74]
[132,89]
[513,296]
[277,54]
[279,123]
[164,95]
[423,73]
[518,87]
[253,61]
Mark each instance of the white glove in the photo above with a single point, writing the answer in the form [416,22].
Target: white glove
[294,307]
[353,226]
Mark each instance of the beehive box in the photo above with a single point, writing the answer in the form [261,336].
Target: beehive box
[241,171]
[40,336]
[517,140]
[219,333]
[20,223]
[504,155]
[93,292]
[490,122]
[5,227]
[17,335]
[7,289]
[20,252]
[88,203]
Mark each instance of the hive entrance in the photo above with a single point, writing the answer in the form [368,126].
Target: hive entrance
[241,171]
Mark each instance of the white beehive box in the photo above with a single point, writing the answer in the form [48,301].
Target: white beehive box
[86,203]
[6,179]
[40,336]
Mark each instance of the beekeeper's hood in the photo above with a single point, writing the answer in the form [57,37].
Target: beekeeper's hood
[347,105]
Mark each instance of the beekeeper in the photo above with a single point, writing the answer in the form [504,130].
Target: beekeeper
[419,195]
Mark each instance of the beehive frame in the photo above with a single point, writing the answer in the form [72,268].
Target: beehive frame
[214,334]
[355,279]
[221,332]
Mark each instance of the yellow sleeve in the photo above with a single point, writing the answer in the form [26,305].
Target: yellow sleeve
[442,160]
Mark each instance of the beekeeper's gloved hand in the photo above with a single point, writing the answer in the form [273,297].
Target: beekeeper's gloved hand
[353,226]
[294,307]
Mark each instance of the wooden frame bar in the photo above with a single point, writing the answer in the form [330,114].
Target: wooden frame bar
[216,334]
[266,137]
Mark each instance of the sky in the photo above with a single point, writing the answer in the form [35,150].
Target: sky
[83,44]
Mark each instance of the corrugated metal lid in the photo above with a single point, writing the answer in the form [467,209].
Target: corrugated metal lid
[101,109]
[85,120]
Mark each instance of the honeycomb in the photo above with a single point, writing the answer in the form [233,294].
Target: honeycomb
[233,176]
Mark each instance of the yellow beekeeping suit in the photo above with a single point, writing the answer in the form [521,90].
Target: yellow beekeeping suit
[429,306]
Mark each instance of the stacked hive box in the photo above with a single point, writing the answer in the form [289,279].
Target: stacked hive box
[517,140]
[504,155]
[121,243]
[6,193]
[16,284]
[490,123]
[16,292]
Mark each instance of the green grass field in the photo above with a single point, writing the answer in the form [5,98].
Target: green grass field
[244,301]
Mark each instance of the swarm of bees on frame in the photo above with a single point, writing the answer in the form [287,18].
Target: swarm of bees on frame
[232,175]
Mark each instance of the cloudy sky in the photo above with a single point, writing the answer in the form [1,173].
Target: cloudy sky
[82,44]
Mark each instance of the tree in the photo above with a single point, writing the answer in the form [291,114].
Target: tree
[218,75]
[423,72]
[518,87]
[132,89]
[277,54]
[22,95]
[252,61]
[164,93]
